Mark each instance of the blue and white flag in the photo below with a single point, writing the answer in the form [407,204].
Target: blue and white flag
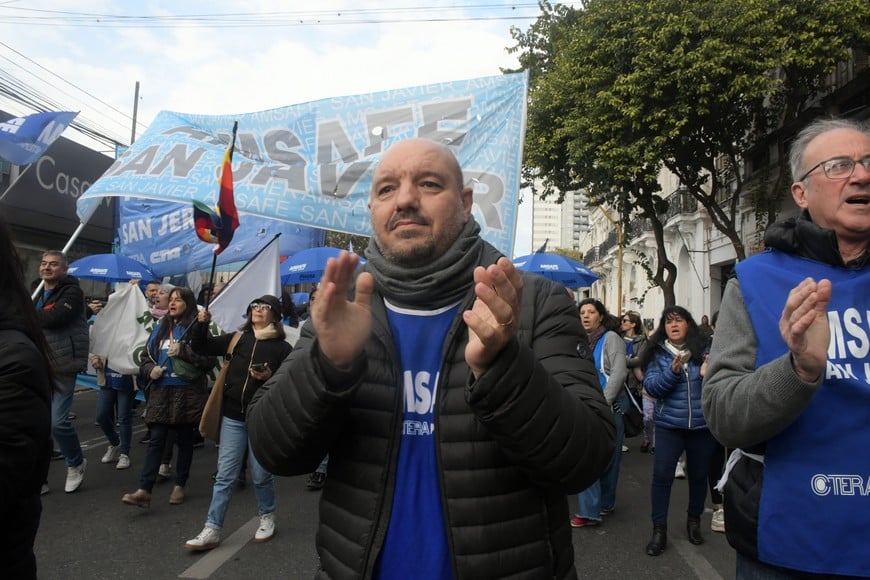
[23,140]
[312,163]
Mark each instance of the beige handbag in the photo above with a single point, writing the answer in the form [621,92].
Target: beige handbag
[210,423]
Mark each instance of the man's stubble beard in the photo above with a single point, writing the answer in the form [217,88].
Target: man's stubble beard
[427,250]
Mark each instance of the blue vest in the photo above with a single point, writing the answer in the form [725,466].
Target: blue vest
[814,511]
[597,353]
[160,352]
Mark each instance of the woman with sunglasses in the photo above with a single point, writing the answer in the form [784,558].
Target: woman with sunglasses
[258,352]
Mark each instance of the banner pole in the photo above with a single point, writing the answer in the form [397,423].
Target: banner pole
[18,176]
[210,288]
[254,257]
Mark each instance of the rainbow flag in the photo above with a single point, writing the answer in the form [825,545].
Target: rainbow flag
[216,226]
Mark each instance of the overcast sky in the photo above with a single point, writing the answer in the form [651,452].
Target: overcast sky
[88,56]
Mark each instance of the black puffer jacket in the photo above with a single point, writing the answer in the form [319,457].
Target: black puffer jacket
[25,416]
[240,386]
[63,321]
[510,446]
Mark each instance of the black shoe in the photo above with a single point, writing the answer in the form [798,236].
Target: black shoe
[55,455]
[644,447]
[315,481]
[693,530]
[659,541]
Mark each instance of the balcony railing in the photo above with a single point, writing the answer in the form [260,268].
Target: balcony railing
[679,202]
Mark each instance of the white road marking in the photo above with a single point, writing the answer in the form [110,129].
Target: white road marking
[699,565]
[214,559]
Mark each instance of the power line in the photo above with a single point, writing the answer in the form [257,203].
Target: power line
[75,19]
[24,94]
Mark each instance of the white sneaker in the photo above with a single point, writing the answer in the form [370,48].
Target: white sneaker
[111,454]
[123,462]
[44,489]
[266,529]
[679,472]
[165,471]
[207,539]
[717,524]
[74,476]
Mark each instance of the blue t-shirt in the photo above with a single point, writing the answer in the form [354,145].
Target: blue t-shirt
[416,542]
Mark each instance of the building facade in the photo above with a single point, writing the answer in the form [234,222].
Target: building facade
[704,257]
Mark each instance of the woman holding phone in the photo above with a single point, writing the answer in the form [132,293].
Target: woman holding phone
[675,363]
[257,353]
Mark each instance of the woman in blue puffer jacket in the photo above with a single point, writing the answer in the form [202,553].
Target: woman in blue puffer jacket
[675,363]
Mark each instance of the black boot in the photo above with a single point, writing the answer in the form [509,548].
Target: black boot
[659,540]
[693,530]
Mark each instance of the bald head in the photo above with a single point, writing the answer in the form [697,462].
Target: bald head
[418,203]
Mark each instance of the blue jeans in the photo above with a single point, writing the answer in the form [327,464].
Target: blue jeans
[154,455]
[601,495]
[670,444]
[106,401]
[233,447]
[61,429]
[323,463]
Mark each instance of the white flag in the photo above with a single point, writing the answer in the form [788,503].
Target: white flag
[121,329]
[259,277]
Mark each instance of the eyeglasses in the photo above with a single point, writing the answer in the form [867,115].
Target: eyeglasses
[624,320]
[839,167]
[259,306]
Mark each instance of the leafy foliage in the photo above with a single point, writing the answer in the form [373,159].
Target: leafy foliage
[625,88]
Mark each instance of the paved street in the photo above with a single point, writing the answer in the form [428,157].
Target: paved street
[91,535]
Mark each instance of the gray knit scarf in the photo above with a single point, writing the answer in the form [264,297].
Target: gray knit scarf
[443,282]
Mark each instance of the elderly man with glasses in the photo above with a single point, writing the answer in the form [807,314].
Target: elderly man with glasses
[788,383]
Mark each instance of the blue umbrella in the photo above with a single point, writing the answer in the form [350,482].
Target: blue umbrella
[300,298]
[109,268]
[566,271]
[306,266]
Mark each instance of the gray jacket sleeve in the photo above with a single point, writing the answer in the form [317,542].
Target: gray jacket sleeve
[614,365]
[743,405]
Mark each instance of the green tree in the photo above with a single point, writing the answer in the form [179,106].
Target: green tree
[626,87]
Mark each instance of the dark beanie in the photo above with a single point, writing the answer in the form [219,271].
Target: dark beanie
[271,301]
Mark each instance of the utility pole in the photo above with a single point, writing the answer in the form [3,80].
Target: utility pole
[618,229]
[135,113]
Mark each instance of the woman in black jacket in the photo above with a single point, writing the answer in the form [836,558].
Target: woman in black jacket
[175,379]
[258,352]
[25,416]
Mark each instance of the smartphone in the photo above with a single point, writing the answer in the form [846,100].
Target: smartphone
[259,367]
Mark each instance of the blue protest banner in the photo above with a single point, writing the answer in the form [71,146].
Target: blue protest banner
[312,163]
